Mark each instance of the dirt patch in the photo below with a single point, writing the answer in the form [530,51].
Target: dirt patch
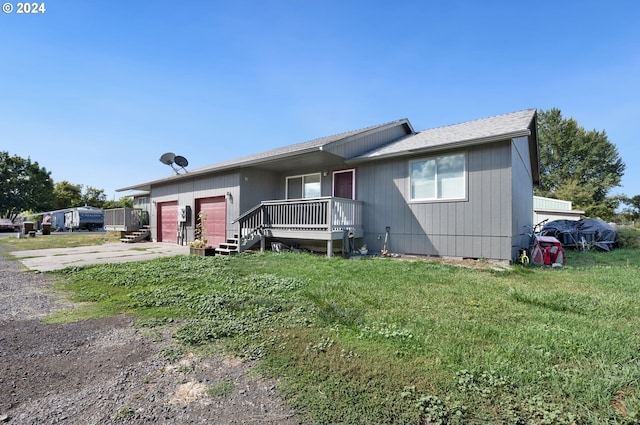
[107,371]
[461,262]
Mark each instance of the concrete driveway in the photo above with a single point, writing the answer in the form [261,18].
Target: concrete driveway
[59,258]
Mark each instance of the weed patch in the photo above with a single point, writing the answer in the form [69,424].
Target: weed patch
[402,342]
[221,389]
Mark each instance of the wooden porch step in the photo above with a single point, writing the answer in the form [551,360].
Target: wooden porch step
[230,247]
[136,236]
[225,251]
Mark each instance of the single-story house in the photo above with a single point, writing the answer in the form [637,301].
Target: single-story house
[463,190]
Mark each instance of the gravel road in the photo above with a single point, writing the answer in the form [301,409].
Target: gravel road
[106,371]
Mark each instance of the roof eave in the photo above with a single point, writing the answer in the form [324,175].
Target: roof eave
[447,146]
[534,149]
[217,169]
[556,211]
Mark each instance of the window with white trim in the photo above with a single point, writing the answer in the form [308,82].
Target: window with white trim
[440,178]
[306,186]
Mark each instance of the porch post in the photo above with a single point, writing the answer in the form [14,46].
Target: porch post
[263,239]
[330,227]
[330,215]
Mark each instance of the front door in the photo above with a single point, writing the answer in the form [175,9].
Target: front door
[344,184]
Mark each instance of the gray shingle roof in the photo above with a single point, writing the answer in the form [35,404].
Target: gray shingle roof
[274,154]
[500,127]
[295,149]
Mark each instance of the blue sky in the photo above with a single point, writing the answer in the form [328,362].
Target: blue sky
[96,91]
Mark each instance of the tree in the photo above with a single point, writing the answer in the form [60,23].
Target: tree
[577,165]
[24,185]
[67,195]
[124,202]
[94,197]
[632,211]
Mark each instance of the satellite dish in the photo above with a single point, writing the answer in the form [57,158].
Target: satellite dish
[168,158]
[181,161]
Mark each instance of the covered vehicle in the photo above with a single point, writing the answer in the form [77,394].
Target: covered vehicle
[583,234]
[7,225]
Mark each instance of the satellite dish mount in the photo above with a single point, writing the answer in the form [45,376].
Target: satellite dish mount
[170,159]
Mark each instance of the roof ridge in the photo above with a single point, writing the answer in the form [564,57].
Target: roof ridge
[350,132]
[333,138]
[478,119]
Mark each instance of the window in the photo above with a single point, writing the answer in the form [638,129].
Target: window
[438,178]
[307,186]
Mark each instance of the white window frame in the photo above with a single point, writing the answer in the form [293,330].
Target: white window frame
[303,176]
[438,197]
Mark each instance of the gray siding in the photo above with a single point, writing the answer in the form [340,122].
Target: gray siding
[522,190]
[186,191]
[325,181]
[256,186]
[369,142]
[478,227]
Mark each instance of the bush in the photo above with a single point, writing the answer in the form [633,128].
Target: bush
[628,237]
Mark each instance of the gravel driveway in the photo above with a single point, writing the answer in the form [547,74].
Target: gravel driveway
[106,371]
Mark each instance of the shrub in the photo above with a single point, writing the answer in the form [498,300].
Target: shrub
[628,237]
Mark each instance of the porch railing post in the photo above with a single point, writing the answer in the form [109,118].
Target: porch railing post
[263,238]
[330,215]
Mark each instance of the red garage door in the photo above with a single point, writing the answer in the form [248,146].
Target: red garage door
[168,221]
[215,212]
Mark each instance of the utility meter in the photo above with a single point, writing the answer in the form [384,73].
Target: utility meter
[183,213]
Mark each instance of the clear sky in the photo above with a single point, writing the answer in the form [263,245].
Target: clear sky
[95,91]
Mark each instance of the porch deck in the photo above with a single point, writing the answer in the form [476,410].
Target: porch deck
[325,219]
[125,219]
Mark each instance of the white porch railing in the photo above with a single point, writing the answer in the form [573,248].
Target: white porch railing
[314,218]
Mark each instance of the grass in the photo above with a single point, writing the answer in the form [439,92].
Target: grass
[123,412]
[384,341]
[221,389]
[61,240]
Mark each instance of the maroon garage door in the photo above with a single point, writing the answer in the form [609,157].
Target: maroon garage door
[215,211]
[168,221]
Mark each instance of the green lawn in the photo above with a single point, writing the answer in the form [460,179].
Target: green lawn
[387,341]
[61,240]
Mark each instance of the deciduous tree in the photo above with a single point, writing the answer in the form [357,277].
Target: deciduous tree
[577,165]
[94,197]
[24,185]
[67,195]
[124,202]
[632,210]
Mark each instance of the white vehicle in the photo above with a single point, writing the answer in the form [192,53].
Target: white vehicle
[84,218]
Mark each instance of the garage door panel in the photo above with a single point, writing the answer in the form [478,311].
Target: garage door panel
[215,211]
[167,221]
